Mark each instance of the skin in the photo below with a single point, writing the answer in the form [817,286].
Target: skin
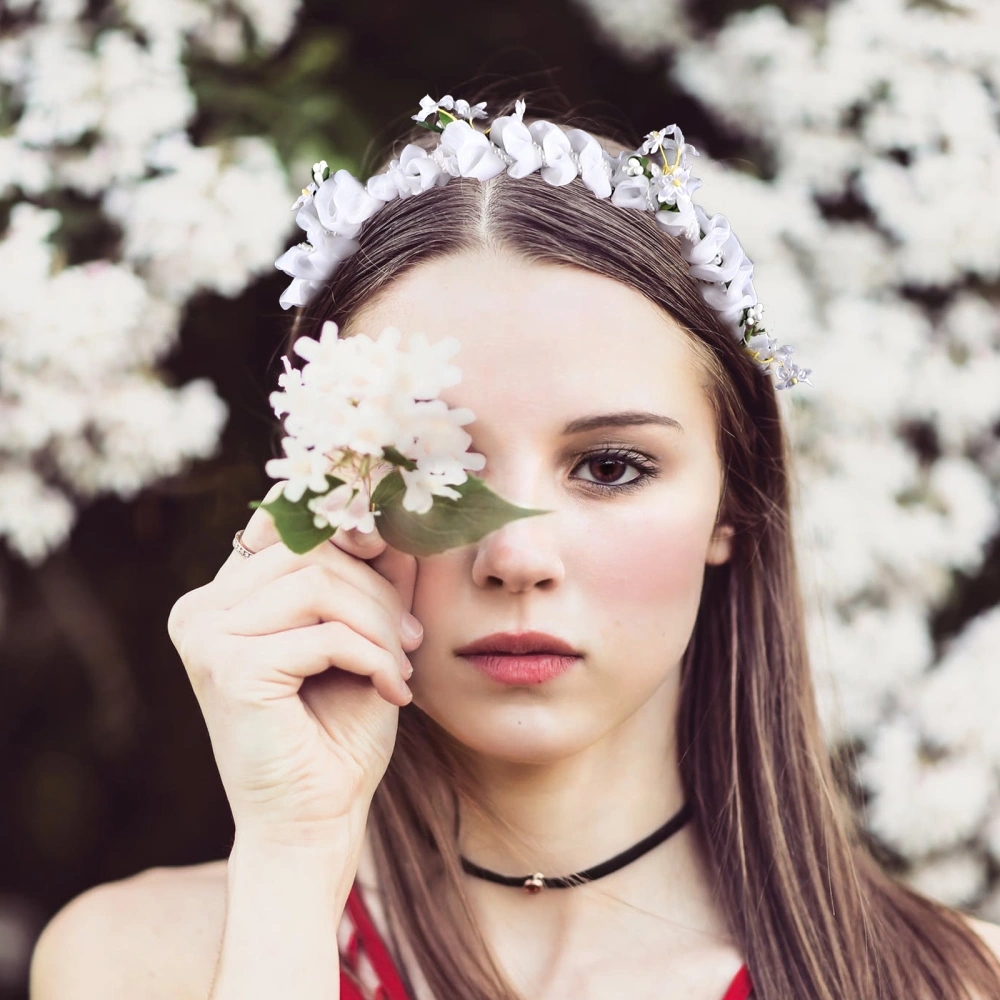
[583,765]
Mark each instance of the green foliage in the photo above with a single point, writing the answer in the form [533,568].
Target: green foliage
[294,520]
[449,523]
[288,97]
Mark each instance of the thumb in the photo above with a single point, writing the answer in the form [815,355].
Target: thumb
[400,569]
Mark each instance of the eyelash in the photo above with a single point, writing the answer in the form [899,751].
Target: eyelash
[617,453]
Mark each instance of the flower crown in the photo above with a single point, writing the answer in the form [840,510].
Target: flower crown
[333,208]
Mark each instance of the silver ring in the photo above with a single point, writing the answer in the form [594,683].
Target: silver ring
[239,546]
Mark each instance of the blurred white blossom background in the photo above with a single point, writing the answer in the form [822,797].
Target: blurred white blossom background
[875,232]
[100,108]
[871,209]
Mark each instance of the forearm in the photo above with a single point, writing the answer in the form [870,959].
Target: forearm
[283,909]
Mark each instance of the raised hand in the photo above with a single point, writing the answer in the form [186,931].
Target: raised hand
[298,663]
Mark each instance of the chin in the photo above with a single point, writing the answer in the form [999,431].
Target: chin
[512,729]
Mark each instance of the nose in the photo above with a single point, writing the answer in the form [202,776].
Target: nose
[520,554]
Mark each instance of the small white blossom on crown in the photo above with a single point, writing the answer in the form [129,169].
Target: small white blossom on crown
[333,207]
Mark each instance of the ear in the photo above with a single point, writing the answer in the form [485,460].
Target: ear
[720,546]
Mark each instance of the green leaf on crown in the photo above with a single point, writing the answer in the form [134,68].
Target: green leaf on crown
[294,520]
[449,523]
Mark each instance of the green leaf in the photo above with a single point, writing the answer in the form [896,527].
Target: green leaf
[449,523]
[294,521]
[398,458]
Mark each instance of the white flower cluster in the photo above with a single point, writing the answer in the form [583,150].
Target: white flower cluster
[97,112]
[640,28]
[355,397]
[891,107]
[333,208]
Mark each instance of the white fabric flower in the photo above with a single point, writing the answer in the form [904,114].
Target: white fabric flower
[595,169]
[632,192]
[413,173]
[717,240]
[470,112]
[343,205]
[429,106]
[560,166]
[466,152]
[730,300]
[680,221]
[675,184]
[515,139]
[300,292]
[654,140]
[306,196]
[791,374]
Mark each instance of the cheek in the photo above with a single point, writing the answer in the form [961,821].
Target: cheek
[645,569]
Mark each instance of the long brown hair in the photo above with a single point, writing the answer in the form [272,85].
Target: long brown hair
[814,914]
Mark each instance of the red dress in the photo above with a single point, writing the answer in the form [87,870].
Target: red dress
[365,953]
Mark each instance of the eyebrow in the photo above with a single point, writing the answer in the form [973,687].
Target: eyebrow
[626,418]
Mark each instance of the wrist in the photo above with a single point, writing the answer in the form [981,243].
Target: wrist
[336,837]
[332,861]
[284,903]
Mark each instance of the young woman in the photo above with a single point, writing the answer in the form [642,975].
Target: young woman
[374,832]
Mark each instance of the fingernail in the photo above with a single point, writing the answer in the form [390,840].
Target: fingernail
[407,669]
[412,629]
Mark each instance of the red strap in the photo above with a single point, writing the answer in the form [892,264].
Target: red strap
[375,949]
[392,986]
[740,987]
[348,991]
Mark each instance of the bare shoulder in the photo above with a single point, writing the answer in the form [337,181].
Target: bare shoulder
[152,935]
[989,932]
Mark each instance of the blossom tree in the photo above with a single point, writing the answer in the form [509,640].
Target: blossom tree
[876,235]
[97,109]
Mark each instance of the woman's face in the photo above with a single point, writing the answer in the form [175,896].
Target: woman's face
[616,569]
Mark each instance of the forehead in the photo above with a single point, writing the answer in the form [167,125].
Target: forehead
[541,338]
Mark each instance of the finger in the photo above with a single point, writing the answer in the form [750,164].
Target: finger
[311,595]
[305,652]
[259,534]
[277,560]
[260,531]
[361,544]
[400,570]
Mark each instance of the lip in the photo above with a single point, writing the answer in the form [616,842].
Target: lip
[508,668]
[520,658]
[518,644]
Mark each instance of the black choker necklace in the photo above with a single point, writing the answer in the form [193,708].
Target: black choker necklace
[538,881]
